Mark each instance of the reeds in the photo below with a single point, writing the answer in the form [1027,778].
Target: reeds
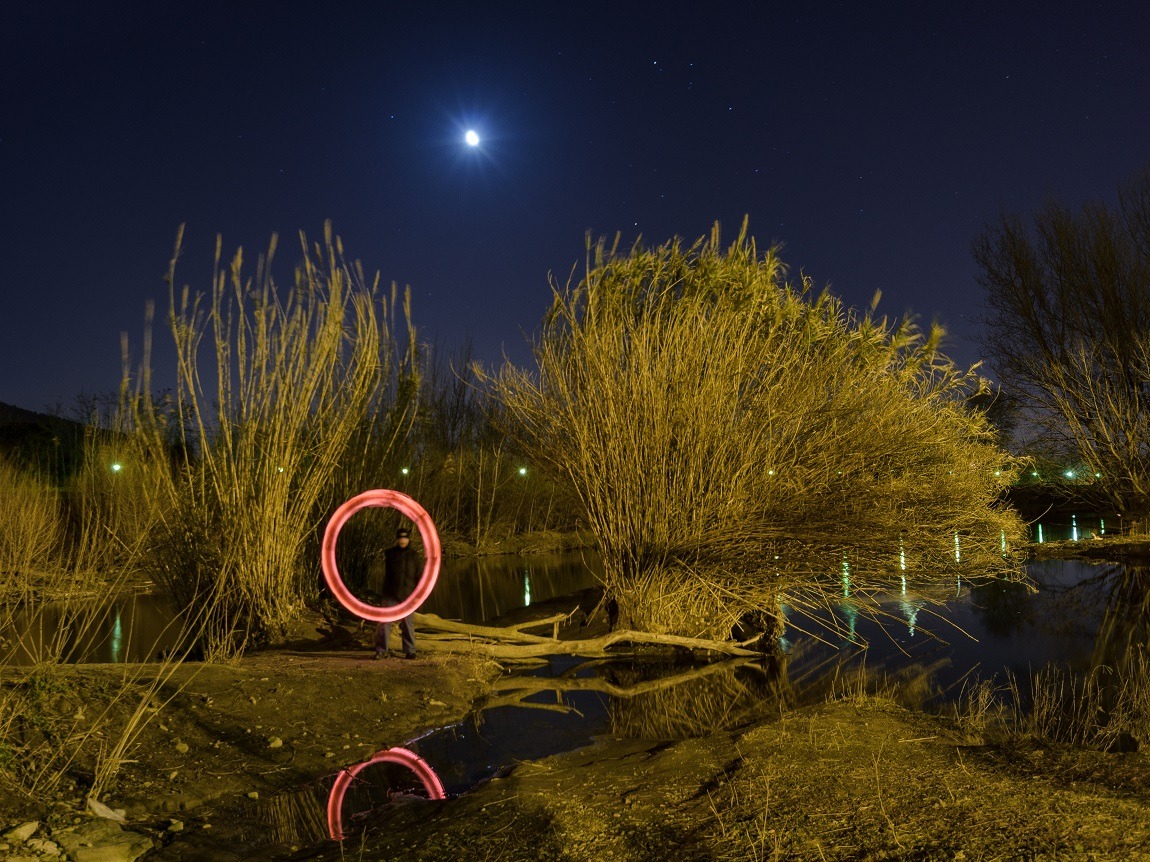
[31,536]
[714,419]
[1102,708]
[65,552]
[268,432]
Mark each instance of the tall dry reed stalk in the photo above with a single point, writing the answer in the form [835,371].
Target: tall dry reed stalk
[62,725]
[31,537]
[297,390]
[713,419]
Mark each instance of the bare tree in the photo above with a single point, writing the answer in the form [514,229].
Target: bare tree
[1069,331]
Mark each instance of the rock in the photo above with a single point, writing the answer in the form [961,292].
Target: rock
[176,826]
[255,794]
[44,847]
[275,742]
[439,703]
[23,832]
[181,746]
[101,810]
[102,841]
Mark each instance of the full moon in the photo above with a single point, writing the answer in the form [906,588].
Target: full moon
[472,138]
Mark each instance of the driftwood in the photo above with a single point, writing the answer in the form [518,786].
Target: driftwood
[512,643]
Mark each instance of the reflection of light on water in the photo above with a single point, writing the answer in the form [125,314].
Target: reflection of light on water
[1074,528]
[846,577]
[1102,526]
[1002,541]
[909,608]
[117,636]
[902,560]
[957,549]
[852,615]
[526,589]
[1040,534]
[911,611]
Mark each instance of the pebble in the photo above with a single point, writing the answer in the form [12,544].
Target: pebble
[275,742]
[181,746]
[254,794]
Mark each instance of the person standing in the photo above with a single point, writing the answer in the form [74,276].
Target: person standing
[402,570]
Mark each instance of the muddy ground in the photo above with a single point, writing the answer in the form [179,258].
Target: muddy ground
[215,775]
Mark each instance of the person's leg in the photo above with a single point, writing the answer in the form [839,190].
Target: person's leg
[382,639]
[407,631]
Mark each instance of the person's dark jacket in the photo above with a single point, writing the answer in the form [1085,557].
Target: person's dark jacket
[402,569]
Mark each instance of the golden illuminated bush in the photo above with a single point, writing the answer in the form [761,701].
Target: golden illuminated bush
[721,426]
[281,397]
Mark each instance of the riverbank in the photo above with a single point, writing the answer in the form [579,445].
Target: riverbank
[1117,549]
[857,777]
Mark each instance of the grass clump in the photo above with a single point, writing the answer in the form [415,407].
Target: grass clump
[280,396]
[729,435]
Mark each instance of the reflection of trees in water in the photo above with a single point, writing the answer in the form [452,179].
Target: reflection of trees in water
[1125,629]
[1003,606]
[720,701]
[300,816]
[483,588]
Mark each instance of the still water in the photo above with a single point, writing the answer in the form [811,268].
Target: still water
[135,626]
[1073,613]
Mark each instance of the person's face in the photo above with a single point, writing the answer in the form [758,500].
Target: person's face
[402,541]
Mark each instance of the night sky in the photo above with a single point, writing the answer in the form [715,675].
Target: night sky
[872,139]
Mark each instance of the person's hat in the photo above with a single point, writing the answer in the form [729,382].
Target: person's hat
[402,533]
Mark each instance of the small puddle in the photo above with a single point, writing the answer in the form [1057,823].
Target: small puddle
[557,708]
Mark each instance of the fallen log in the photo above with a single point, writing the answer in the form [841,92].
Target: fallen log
[511,643]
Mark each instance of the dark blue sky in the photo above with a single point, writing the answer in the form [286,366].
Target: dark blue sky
[874,140]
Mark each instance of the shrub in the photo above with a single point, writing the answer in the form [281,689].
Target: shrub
[729,436]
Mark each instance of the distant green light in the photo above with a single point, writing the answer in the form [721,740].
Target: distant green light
[522,471]
[116,468]
[404,471]
[1069,474]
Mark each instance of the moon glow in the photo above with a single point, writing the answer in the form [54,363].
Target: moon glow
[472,138]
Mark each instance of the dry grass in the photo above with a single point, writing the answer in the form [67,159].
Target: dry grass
[725,430]
[269,432]
[58,729]
[31,536]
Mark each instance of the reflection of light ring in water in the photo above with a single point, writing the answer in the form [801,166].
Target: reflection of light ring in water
[407,506]
[402,756]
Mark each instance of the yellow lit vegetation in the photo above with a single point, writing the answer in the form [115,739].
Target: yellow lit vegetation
[731,436]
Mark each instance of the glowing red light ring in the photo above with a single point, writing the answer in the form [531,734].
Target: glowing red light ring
[402,756]
[407,506]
